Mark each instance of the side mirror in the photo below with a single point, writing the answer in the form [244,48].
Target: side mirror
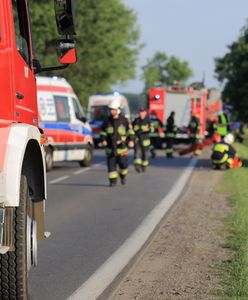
[65,16]
[80,117]
[67,51]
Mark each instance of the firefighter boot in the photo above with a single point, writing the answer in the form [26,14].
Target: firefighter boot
[112,182]
[123,180]
[137,168]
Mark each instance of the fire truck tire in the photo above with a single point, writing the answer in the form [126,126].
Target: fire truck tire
[87,158]
[49,158]
[13,264]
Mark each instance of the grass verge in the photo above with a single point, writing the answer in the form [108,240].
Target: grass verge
[235,271]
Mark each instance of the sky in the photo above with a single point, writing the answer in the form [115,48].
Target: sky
[193,30]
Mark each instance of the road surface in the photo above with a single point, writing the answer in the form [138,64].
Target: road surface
[89,221]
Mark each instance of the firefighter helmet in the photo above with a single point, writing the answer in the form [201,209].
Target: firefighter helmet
[229,139]
[115,104]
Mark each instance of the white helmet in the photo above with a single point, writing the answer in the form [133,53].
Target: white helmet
[115,104]
[229,139]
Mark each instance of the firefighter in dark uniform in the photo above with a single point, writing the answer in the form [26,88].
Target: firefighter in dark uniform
[156,123]
[170,131]
[194,129]
[223,123]
[224,156]
[116,136]
[141,127]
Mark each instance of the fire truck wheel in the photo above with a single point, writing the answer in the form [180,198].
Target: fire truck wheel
[49,158]
[87,158]
[14,264]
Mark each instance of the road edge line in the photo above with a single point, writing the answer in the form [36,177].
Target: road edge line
[105,274]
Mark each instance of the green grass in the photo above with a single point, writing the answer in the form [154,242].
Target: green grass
[235,270]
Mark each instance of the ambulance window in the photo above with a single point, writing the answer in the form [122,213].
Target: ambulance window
[77,109]
[21,29]
[62,108]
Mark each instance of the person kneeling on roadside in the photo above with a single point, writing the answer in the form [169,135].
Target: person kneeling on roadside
[224,156]
[117,135]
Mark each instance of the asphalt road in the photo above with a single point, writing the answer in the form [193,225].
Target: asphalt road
[89,220]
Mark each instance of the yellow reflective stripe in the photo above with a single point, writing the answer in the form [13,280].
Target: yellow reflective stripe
[110,130]
[145,163]
[138,161]
[103,133]
[144,127]
[121,151]
[146,143]
[169,150]
[123,171]
[130,132]
[221,148]
[122,131]
[136,128]
[113,175]
[221,161]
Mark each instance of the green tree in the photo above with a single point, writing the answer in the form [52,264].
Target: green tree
[107,44]
[232,71]
[162,69]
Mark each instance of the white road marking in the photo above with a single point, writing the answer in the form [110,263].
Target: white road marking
[104,276]
[58,179]
[75,173]
[81,171]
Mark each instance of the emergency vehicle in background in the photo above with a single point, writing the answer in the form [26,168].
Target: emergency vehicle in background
[63,121]
[185,102]
[98,111]
[22,164]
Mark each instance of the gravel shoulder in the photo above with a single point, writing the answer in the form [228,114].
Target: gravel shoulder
[180,261]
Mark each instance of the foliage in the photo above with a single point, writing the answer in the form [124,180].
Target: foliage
[107,43]
[235,270]
[232,70]
[162,69]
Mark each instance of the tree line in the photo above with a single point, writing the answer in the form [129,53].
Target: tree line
[108,45]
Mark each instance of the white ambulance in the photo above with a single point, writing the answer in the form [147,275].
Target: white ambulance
[62,119]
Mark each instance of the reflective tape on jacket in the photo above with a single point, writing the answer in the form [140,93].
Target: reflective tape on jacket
[138,161]
[146,143]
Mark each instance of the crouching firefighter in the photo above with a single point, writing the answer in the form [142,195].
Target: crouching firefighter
[116,136]
[141,127]
[224,156]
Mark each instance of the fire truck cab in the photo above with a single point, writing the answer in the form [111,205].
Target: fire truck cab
[22,164]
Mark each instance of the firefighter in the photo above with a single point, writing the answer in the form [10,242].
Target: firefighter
[170,131]
[116,136]
[223,123]
[194,128]
[141,127]
[224,156]
[156,123]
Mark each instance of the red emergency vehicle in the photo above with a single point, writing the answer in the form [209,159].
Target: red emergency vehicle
[22,165]
[185,102]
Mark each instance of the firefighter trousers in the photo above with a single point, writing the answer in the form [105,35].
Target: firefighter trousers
[114,161]
[169,146]
[141,155]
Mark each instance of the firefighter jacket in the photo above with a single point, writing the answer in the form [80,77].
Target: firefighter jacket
[142,129]
[194,128]
[222,153]
[223,126]
[155,125]
[116,132]
[170,128]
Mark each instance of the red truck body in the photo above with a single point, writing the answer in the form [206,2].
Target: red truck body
[22,164]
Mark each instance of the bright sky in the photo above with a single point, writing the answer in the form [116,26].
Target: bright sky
[193,30]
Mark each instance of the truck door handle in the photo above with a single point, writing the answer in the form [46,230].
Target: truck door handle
[19,96]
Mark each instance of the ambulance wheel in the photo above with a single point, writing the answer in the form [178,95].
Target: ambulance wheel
[49,158]
[14,265]
[87,158]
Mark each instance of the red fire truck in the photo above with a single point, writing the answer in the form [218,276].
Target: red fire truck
[22,165]
[184,101]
